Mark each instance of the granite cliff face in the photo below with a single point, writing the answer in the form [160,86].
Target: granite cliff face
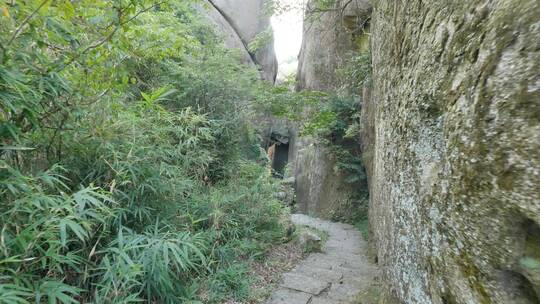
[249,19]
[240,21]
[455,170]
[450,140]
[325,46]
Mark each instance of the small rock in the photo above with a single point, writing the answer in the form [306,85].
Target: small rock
[289,227]
[287,296]
[288,181]
[285,195]
[282,195]
[309,241]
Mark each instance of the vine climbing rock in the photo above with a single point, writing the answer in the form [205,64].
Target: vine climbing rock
[340,274]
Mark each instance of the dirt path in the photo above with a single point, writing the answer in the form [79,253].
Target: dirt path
[341,273]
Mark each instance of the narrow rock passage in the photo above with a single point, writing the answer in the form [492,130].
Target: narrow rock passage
[340,273]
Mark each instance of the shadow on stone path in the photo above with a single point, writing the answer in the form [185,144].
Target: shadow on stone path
[340,274]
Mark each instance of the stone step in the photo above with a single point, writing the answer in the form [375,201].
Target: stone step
[324,300]
[343,247]
[304,283]
[319,273]
[345,290]
[336,275]
[329,261]
[345,272]
[287,296]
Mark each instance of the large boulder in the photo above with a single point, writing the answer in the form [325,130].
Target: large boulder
[455,170]
[248,19]
[229,34]
[327,40]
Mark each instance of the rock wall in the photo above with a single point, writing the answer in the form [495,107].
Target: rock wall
[455,136]
[249,19]
[326,43]
[241,21]
[230,36]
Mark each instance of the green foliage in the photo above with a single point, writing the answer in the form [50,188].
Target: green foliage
[279,7]
[334,123]
[281,100]
[324,4]
[128,162]
[333,120]
[356,73]
[42,44]
[229,281]
[363,226]
[340,131]
[339,134]
[261,40]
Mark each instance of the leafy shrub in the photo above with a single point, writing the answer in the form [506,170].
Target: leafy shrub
[129,166]
[226,281]
[356,73]
[337,126]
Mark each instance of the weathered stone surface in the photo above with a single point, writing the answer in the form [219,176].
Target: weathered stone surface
[321,273]
[240,22]
[338,262]
[288,296]
[286,192]
[326,43]
[336,275]
[325,301]
[230,37]
[303,283]
[455,169]
[309,241]
[325,46]
[345,290]
[248,18]
[319,189]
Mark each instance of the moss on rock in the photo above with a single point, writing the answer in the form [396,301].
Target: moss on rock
[455,135]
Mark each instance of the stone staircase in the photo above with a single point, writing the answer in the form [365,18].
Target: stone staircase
[340,274]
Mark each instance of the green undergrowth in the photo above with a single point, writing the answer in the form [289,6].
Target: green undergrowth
[342,136]
[333,121]
[363,226]
[130,169]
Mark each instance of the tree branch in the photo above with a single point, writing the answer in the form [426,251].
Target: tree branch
[4,51]
[111,34]
[24,22]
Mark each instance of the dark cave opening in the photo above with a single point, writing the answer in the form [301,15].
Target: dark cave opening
[281,158]
[278,153]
